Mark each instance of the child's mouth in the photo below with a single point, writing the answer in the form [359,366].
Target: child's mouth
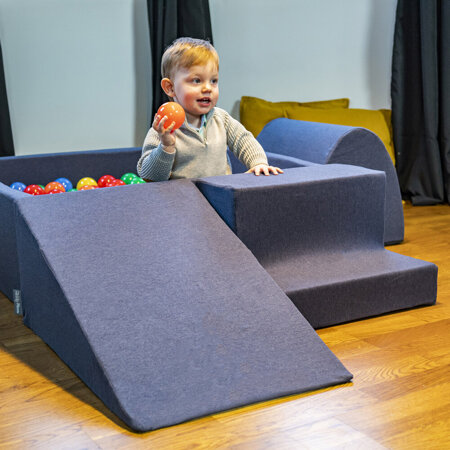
[204,101]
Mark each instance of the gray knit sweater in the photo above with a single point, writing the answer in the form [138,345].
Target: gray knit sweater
[200,154]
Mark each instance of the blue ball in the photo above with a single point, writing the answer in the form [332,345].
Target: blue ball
[66,183]
[18,186]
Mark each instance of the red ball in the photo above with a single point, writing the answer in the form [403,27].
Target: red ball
[34,189]
[55,191]
[104,180]
[87,187]
[54,185]
[116,182]
[174,112]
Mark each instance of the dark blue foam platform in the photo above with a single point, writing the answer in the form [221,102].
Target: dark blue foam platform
[159,307]
[318,231]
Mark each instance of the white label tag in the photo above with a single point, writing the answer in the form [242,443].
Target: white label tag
[18,302]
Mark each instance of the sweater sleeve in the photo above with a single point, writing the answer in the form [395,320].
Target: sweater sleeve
[154,164]
[242,143]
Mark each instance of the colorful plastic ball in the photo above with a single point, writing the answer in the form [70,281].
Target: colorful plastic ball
[72,190]
[66,183]
[174,112]
[54,185]
[55,191]
[137,180]
[104,180]
[34,189]
[87,187]
[18,186]
[86,181]
[42,186]
[127,177]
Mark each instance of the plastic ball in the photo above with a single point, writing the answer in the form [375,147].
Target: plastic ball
[87,187]
[72,190]
[104,180]
[34,189]
[127,177]
[18,186]
[54,185]
[55,191]
[66,183]
[137,180]
[86,181]
[174,112]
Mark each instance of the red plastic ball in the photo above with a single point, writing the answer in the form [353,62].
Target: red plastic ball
[54,185]
[34,189]
[55,191]
[174,112]
[104,180]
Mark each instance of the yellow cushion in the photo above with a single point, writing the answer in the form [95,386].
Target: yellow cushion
[255,112]
[374,120]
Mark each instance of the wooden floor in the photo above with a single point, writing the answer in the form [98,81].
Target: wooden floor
[399,399]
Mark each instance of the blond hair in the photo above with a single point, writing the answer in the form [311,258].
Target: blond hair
[186,52]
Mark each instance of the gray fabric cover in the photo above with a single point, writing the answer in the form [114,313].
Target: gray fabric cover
[158,307]
[43,168]
[318,231]
[9,264]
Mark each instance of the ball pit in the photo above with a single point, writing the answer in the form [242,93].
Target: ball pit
[61,185]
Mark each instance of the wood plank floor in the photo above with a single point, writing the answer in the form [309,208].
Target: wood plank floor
[399,399]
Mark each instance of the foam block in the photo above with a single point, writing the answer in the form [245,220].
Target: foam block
[158,307]
[318,231]
[322,143]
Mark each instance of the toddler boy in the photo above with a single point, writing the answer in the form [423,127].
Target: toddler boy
[190,71]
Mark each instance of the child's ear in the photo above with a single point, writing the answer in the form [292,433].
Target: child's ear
[167,86]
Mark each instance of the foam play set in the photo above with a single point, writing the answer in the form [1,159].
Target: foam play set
[183,298]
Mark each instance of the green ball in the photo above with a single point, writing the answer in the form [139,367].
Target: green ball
[128,177]
[41,186]
[72,190]
[137,180]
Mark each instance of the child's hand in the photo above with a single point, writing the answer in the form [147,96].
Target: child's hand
[265,169]
[166,136]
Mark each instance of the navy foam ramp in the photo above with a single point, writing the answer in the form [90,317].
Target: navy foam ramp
[158,307]
[318,231]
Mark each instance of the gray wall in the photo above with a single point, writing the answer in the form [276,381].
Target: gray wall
[305,50]
[78,71]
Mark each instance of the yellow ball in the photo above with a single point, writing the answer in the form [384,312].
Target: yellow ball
[86,181]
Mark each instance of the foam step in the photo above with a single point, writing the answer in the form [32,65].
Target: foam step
[158,307]
[318,231]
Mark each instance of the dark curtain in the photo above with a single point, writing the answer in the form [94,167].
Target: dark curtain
[420,92]
[6,139]
[171,19]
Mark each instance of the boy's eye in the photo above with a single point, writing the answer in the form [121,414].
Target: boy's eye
[214,81]
[196,80]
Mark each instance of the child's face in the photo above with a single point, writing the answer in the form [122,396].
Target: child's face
[196,89]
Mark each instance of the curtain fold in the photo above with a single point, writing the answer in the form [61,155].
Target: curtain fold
[168,20]
[6,139]
[420,92]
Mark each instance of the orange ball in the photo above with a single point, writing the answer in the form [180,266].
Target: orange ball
[174,112]
[54,185]
[88,187]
